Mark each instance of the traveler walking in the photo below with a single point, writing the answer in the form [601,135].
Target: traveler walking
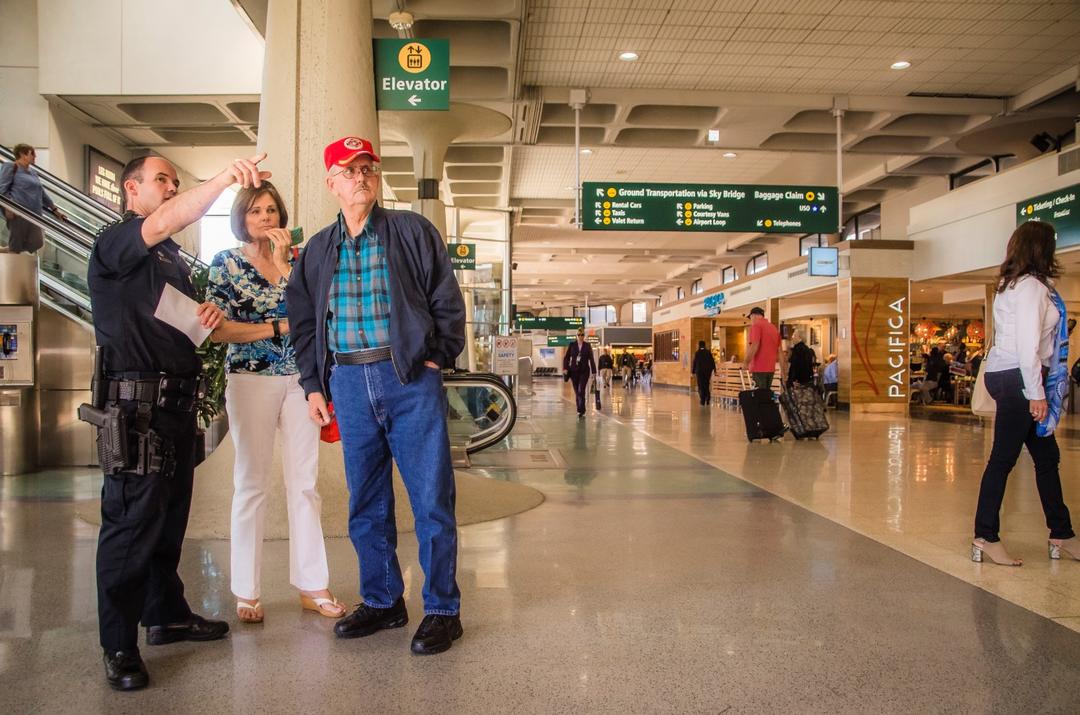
[578,368]
[763,348]
[703,367]
[1026,373]
[606,366]
[19,182]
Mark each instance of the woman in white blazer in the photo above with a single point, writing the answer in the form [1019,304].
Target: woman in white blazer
[1026,373]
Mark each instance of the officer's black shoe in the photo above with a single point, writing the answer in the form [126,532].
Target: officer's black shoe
[125,670]
[366,620]
[436,634]
[196,628]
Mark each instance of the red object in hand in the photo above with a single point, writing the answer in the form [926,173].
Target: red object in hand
[330,432]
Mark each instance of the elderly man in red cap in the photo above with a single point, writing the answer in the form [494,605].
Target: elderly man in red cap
[375,314]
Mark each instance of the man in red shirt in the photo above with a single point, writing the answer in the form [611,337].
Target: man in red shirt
[763,349]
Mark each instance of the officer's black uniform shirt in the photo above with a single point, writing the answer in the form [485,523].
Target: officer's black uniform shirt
[126,280]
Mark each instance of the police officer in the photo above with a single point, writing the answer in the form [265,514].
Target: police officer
[151,377]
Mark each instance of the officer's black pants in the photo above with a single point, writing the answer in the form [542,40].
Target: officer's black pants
[703,388]
[143,520]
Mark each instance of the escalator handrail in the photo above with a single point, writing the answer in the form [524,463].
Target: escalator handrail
[64,290]
[56,184]
[52,304]
[503,426]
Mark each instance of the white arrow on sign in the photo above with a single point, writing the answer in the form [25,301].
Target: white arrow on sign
[414,100]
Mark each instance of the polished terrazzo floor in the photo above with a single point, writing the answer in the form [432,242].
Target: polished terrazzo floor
[672,568]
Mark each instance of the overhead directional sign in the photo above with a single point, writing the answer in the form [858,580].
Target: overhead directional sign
[560,341]
[1059,208]
[549,323]
[730,208]
[412,74]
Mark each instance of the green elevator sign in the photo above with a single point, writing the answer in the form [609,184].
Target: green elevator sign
[1059,208]
[462,256]
[738,208]
[412,74]
[549,323]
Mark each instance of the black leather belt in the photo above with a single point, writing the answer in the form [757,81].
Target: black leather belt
[178,394]
[363,357]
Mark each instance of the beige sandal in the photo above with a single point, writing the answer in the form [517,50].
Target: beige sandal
[1069,547]
[981,550]
[329,607]
[249,611]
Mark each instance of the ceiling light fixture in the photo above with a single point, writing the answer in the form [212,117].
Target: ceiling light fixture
[628,56]
[900,65]
[714,135]
[586,151]
[729,155]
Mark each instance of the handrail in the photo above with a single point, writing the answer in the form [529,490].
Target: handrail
[63,310]
[64,291]
[504,425]
[71,235]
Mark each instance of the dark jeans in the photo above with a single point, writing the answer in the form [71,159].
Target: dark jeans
[1015,428]
[381,422]
[143,520]
[703,387]
[581,389]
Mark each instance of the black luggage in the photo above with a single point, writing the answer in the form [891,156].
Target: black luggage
[762,415]
[805,411]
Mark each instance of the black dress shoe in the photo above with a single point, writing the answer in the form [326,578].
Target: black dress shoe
[196,628]
[366,620]
[436,634]
[125,670]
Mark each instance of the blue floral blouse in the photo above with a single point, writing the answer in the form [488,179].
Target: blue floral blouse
[246,296]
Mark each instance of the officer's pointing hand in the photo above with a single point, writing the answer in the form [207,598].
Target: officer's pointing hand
[246,171]
[210,316]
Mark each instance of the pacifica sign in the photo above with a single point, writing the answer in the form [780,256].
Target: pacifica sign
[879,340]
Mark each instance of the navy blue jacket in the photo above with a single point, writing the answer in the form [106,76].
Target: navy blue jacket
[427,312]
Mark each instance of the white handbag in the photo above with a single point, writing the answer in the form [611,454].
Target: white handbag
[982,404]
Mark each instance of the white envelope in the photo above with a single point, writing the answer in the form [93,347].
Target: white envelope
[179,311]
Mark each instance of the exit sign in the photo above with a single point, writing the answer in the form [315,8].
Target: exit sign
[412,74]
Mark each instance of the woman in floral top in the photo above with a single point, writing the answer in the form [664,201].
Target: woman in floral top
[263,394]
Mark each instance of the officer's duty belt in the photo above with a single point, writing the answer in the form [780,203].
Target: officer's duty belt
[363,357]
[176,394]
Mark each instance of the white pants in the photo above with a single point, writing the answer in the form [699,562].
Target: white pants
[258,405]
[605,377]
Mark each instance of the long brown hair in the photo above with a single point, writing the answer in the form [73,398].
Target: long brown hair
[1030,253]
[244,199]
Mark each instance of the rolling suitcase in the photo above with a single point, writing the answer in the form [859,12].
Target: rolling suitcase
[805,411]
[762,415]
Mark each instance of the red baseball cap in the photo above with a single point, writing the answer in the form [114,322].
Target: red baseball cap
[344,150]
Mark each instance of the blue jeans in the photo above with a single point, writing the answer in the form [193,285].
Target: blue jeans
[380,419]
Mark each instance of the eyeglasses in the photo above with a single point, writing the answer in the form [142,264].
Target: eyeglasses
[368,170]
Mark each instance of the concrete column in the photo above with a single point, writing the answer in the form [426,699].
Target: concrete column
[318,86]
[988,316]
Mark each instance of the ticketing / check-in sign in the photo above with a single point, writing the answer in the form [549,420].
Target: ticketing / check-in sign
[412,74]
[1059,208]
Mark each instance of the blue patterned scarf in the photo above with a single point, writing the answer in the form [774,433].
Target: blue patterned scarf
[1057,380]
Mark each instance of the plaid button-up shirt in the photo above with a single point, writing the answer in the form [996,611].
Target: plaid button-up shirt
[360,295]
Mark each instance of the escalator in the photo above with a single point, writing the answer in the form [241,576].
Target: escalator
[482,408]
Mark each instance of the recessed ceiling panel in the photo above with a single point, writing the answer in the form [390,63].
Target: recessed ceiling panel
[565,135]
[474,155]
[822,120]
[478,82]
[173,112]
[927,124]
[792,141]
[892,145]
[655,115]
[474,173]
[203,136]
[475,187]
[245,111]
[658,137]
[397,164]
[471,41]
[590,114]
